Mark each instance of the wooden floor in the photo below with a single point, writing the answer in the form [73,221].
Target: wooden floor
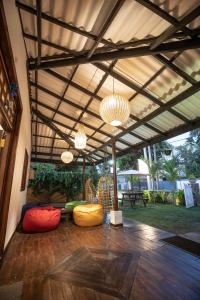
[98,263]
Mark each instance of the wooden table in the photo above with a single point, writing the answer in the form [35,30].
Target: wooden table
[132,197]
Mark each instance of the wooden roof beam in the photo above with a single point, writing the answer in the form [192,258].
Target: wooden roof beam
[175,68]
[48,122]
[70,128]
[53,161]
[173,29]
[39,30]
[51,137]
[67,53]
[58,22]
[162,14]
[49,154]
[60,148]
[122,54]
[106,25]
[177,99]
[122,80]
[81,122]
[89,35]
[169,134]
[159,57]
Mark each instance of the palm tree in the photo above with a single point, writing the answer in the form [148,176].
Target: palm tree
[171,171]
[154,168]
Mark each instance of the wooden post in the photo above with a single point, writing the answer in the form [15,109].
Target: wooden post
[83,178]
[114,176]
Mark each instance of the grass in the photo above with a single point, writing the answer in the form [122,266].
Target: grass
[168,217]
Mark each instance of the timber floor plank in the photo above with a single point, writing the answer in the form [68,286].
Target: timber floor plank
[99,263]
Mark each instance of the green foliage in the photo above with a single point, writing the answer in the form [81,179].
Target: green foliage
[133,179]
[161,197]
[91,172]
[180,197]
[148,195]
[44,179]
[170,170]
[163,148]
[50,180]
[129,161]
[158,196]
[154,169]
[188,155]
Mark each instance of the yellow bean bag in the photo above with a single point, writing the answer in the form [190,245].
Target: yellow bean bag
[88,215]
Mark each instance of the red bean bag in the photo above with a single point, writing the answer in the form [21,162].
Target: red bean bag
[41,219]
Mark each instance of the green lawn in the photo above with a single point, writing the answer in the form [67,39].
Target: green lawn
[167,217]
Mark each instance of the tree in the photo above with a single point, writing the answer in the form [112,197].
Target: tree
[170,169]
[162,148]
[154,169]
[188,155]
[129,161]
[134,180]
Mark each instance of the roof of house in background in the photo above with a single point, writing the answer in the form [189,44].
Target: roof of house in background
[75,48]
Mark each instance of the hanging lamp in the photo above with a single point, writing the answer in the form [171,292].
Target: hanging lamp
[114,109]
[80,138]
[67,157]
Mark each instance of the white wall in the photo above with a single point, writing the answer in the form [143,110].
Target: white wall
[18,198]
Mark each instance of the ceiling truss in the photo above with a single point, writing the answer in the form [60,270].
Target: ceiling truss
[177,38]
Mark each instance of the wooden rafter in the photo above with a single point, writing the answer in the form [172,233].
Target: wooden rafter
[57,138]
[48,122]
[60,102]
[39,30]
[53,161]
[54,154]
[169,134]
[92,36]
[177,99]
[70,128]
[123,80]
[67,53]
[175,68]
[159,57]
[96,55]
[163,14]
[106,25]
[173,29]
[81,122]
[122,54]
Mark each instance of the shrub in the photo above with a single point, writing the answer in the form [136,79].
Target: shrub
[158,196]
[161,197]
[148,195]
[180,197]
[49,180]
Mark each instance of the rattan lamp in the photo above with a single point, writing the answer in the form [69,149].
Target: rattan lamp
[115,110]
[67,157]
[80,138]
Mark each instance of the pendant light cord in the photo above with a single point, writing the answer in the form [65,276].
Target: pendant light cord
[113,86]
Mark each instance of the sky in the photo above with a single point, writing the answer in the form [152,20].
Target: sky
[178,140]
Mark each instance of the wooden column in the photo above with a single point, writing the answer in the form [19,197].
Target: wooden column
[114,176]
[83,178]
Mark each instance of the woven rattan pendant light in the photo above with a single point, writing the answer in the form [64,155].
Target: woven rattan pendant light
[80,138]
[114,109]
[67,157]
